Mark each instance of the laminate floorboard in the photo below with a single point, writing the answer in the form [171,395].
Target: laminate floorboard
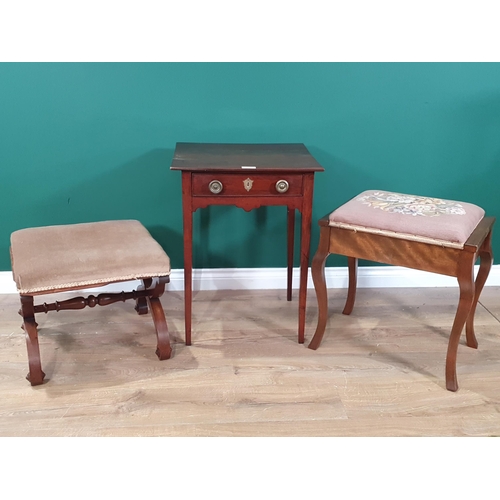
[378,372]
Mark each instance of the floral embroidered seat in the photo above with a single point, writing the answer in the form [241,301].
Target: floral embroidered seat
[417,218]
[429,234]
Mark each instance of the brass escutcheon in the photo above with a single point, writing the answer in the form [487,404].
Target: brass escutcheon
[247,183]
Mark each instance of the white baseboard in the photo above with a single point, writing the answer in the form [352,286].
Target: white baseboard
[275,278]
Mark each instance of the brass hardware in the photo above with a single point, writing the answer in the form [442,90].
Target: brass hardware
[282,186]
[247,183]
[215,187]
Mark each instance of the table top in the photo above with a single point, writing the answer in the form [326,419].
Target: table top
[243,157]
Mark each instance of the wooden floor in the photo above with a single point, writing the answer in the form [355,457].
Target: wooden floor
[378,372]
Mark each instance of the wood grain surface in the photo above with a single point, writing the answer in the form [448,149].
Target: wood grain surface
[378,372]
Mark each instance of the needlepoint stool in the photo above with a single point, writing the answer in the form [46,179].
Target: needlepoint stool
[52,259]
[429,234]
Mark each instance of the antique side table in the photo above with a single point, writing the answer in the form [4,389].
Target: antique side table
[248,176]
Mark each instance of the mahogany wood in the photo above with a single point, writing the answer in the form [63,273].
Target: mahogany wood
[234,184]
[486,261]
[454,262]
[228,163]
[35,375]
[351,291]
[141,303]
[187,218]
[141,306]
[163,350]
[247,203]
[291,239]
[103,299]
[149,294]
[304,251]
[201,157]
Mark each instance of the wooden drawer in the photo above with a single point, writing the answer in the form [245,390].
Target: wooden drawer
[246,184]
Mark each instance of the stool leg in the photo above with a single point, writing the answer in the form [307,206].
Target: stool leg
[141,303]
[35,375]
[486,256]
[466,283]
[351,291]
[318,276]
[163,349]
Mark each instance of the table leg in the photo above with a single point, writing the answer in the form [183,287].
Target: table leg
[290,235]
[305,243]
[187,215]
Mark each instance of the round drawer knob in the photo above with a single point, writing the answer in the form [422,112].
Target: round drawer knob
[215,187]
[282,186]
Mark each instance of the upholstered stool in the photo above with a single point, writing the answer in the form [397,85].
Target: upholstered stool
[428,234]
[52,259]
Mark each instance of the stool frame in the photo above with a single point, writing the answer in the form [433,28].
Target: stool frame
[147,297]
[456,262]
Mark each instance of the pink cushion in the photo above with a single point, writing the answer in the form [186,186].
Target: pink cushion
[433,220]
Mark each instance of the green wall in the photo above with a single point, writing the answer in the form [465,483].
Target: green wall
[86,142]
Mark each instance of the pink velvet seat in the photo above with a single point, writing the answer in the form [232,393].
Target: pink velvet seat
[429,234]
[64,258]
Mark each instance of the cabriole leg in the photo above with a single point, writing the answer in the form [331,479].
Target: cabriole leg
[486,256]
[318,276]
[466,283]
[351,291]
